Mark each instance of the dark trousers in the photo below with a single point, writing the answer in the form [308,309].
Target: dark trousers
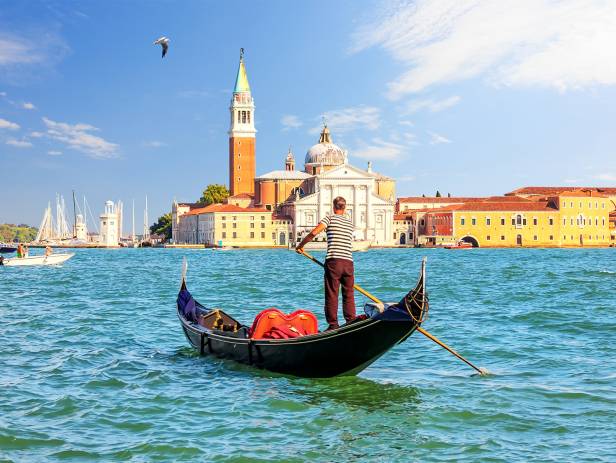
[337,272]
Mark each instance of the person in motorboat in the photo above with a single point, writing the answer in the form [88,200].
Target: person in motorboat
[20,251]
[339,269]
[26,250]
[48,251]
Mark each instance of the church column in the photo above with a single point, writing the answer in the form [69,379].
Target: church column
[355,206]
[369,213]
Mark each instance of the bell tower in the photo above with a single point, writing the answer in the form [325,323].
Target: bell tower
[242,164]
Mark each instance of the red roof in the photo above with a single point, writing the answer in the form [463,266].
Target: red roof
[225,208]
[434,199]
[554,190]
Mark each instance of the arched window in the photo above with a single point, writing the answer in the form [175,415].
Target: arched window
[239,117]
[248,116]
[518,219]
[243,117]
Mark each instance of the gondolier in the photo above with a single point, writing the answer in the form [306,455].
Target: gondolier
[339,269]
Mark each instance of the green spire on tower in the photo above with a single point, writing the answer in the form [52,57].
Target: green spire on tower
[241,81]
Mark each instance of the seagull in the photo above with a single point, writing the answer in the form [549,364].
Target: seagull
[163,42]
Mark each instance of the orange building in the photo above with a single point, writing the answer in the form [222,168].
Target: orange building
[242,132]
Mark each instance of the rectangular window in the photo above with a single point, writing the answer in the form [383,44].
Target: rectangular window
[234,235]
[252,225]
[565,237]
[488,238]
[274,236]
[252,217]
[551,221]
[502,221]
[461,221]
[248,116]
[234,225]
[473,221]
[263,225]
[224,234]
[262,235]
[488,221]
[524,221]
[551,238]
[224,217]
[252,234]
[535,221]
[513,221]
[535,237]
[262,217]
[502,237]
[571,204]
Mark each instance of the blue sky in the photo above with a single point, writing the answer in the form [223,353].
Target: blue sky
[472,98]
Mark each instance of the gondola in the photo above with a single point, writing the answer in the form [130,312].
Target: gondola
[343,351]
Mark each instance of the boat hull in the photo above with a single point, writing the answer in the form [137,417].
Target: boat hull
[345,351]
[53,259]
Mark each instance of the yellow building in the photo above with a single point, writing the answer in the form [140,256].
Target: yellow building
[569,219]
[230,225]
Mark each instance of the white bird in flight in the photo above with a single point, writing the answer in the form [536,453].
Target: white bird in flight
[163,42]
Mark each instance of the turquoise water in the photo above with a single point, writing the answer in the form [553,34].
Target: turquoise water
[94,366]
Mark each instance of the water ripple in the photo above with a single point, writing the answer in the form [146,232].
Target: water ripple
[95,366]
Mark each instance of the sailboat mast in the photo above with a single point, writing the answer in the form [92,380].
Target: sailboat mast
[74,217]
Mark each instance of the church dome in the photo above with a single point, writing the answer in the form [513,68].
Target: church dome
[325,152]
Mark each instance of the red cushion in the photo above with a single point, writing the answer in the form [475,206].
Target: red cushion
[299,323]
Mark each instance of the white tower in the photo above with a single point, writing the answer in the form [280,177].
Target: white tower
[109,225]
[81,230]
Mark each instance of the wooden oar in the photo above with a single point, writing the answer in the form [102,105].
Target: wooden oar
[481,371]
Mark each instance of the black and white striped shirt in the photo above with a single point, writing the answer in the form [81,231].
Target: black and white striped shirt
[339,230]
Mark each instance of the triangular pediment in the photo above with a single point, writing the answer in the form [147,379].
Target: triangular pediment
[346,171]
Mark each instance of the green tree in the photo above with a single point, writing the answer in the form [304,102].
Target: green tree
[438,194]
[17,233]
[213,194]
[163,226]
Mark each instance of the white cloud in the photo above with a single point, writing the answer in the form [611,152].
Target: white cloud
[35,134]
[378,149]
[565,44]
[436,139]
[290,121]
[19,143]
[154,144]
[78,137]
[4,124]
[2,94]
[607,177]
[54,153]
[349,119]
[432,105]
[28,106]
[33,48]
